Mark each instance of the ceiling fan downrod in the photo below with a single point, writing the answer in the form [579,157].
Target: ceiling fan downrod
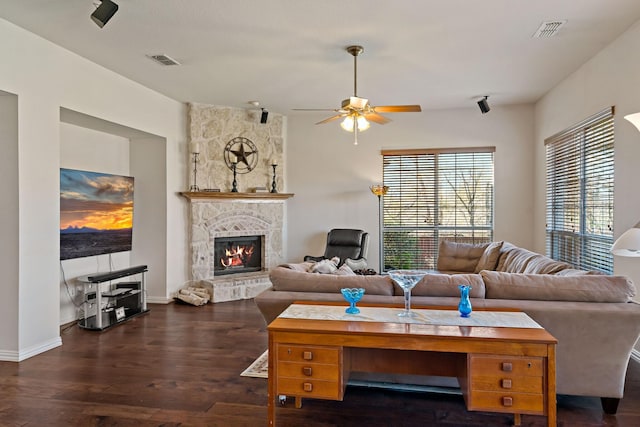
[355,50]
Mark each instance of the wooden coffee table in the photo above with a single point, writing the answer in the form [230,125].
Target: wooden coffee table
[499,368]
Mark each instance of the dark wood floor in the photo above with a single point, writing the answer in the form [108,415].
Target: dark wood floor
[180,366]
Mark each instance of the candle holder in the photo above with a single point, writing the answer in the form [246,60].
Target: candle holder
[194,186]
[273,183]
[234,184]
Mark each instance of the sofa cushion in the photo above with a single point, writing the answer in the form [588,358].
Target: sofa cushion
[285,279]
[585,288]
[445,285]
[575,272]
[489,259]
[462,257]
[514,259]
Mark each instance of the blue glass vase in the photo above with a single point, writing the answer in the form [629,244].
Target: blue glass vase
[352,295]
[465,303]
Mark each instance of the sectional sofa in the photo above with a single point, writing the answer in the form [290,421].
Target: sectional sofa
[592,315]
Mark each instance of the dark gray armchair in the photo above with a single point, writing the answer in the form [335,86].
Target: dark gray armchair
[350,245]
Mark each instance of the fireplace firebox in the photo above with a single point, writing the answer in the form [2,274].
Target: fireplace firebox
[241,254]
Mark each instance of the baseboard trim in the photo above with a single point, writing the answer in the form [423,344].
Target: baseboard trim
[19,356]
[159,300]
[8,356]
[635,355]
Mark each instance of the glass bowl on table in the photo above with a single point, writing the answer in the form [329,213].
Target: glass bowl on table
[407,279]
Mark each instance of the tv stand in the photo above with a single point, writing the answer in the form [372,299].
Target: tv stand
[107,304]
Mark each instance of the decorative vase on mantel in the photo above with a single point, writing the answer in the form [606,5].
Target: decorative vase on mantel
[464,307]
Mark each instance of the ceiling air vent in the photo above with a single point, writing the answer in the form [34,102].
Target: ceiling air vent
[548,29]
[164,60]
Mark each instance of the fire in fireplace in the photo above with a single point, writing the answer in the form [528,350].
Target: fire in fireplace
[237,254]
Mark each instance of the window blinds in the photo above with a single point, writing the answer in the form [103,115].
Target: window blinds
[435,195]
[579,169]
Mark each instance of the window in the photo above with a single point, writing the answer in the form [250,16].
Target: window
[580,194]
[435,195]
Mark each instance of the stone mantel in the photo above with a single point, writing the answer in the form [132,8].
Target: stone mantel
[207,195]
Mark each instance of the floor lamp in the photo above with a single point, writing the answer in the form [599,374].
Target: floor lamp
[628,244]
[380,190]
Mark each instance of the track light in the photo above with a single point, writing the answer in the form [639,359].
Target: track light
[484,105]
[264,116]
[104,12]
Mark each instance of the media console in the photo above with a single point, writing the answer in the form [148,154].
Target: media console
[106,304]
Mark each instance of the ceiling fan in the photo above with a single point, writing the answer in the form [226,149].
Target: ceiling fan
[356,111]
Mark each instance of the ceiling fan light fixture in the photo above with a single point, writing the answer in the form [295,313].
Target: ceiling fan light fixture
[363,124]
[348,123]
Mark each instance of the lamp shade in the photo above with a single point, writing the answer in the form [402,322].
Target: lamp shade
[634,119]
[628,244]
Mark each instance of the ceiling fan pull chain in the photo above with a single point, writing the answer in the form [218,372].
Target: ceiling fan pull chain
[355,132]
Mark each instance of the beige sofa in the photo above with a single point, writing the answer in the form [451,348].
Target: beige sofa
[592,315]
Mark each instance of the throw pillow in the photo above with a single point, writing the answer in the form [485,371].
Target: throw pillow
[345,270]
[459,257]
[489,259]
[326,266]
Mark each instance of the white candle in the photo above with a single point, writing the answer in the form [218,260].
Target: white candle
[233,158]
[274,161]
[195,147]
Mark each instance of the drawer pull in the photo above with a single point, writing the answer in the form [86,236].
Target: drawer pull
[307,371]
[307,355]
[506,383]
[307,386]
[507,366]
[507,401]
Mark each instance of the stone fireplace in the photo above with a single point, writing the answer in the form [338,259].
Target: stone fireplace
[232,220]
[216,213]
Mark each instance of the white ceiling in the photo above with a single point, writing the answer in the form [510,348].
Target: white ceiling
[290,53]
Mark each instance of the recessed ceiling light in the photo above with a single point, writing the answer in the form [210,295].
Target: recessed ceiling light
[548,29]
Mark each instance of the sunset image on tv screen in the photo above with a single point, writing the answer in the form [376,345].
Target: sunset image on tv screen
[96,213]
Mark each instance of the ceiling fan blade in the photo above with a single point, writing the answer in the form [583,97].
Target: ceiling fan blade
[397,109]
[376,118]
[314,109]
[330,119]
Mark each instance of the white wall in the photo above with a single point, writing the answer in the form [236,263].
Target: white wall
[9,243]
[77,84]
[331,177]
[610,78]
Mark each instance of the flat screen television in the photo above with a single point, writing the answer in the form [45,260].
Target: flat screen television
[96,213]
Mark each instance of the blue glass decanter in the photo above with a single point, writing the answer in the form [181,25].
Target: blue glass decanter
[465,303]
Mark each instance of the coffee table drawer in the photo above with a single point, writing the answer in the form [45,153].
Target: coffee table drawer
[310,388]
[496,401]
[309,370]
[308,354]
[507,365]
[504,383]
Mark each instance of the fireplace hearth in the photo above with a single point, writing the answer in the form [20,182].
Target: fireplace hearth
[240,254]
